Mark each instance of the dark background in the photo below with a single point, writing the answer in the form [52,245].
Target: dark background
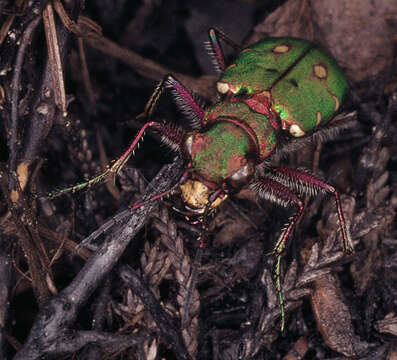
[337,306]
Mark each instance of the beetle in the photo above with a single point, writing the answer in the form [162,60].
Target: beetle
[275,89]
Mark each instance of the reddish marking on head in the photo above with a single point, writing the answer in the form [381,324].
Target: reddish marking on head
[236,162]
[200,142]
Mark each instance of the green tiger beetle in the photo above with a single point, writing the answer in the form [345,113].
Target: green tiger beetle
[276,88]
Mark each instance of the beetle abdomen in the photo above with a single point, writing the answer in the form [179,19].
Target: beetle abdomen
[305,83]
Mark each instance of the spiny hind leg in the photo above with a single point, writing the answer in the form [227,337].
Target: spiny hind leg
[270,189]
[306,183]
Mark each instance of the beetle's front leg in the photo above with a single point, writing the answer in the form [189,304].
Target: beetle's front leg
[278,193]
[172,135]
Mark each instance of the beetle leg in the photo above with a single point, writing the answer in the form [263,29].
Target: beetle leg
[278,193]
[303,182]
[186,102]
[173,136]
[183,98]
[215,47]
[154,98]
[216,52]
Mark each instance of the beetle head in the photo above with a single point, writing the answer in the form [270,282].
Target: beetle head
[217,169]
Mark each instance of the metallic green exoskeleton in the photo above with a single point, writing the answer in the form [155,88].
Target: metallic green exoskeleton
[304,84]
[275,87]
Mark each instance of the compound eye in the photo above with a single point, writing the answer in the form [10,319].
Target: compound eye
[242,176]
[188,145]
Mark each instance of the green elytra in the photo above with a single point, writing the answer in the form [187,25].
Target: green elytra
[306,85]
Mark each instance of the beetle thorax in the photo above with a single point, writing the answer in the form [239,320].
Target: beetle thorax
[219,152]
